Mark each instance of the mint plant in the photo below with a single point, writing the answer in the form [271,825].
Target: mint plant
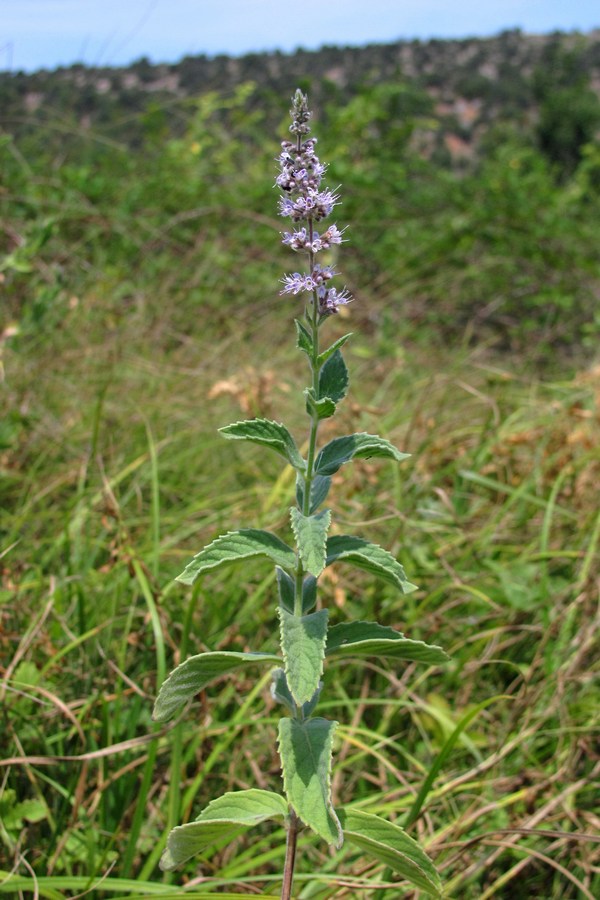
[306,637]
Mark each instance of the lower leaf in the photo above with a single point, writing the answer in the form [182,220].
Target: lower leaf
[195,673]
[392,846]
[305,751]
[223,818]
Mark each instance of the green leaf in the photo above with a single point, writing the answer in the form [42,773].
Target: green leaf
[287,589]
[305,751]
[354,446]
[337,345]
[281,692]
[371,639]
[268,434]
[392,846]
[370,557]
[333,378]
[318,491]
[195,673]
[305,341]
[311,537]
[236,545]
[322,408]
[309,593]
[223,819]
[303,645]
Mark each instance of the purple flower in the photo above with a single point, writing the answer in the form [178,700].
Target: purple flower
[315,205]
[330,300]
[301,240]
[300,178]
[294,284]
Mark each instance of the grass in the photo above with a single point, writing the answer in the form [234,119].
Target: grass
[118,476]
[143,329]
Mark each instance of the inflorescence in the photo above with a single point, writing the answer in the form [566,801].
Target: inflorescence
[300,179]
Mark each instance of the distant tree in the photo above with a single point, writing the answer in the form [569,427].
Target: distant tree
[569,111]
[569,119]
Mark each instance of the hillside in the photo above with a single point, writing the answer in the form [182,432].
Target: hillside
[458,89]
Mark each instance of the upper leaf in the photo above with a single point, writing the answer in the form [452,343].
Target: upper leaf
[311,536]
[322,408]
[392,846]
[305,751]
[337,345]
[333,378]
[195,673]
[236,545]
[223,818]
[303,645]
[267,434]
[364,446]
[371,639]
[370,557]
[305,341]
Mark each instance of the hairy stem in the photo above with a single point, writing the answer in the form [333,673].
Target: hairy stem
[290,856]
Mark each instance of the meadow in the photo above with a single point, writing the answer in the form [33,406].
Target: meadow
[140,313]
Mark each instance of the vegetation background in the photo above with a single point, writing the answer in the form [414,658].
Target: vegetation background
[139,265]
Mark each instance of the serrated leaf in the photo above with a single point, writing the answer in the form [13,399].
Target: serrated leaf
[322,408]
[237,545]
[304,339]
[354,446]
[303,646]
[370,557]
[318,491]
[267,434]
[195,673]
[281,692]
[337,345]
[305,751]
[311,537]
[392,846]
[371,639]
[287,589]
[333,378]
[223,818]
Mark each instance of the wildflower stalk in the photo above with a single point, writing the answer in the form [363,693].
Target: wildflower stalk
[305,741]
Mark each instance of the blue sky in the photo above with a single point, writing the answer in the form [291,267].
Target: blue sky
[47,33]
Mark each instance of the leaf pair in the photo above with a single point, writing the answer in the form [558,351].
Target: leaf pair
[340,450]
[306,344]
[305,640]
[230,815]
[252,542]
[333,387]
